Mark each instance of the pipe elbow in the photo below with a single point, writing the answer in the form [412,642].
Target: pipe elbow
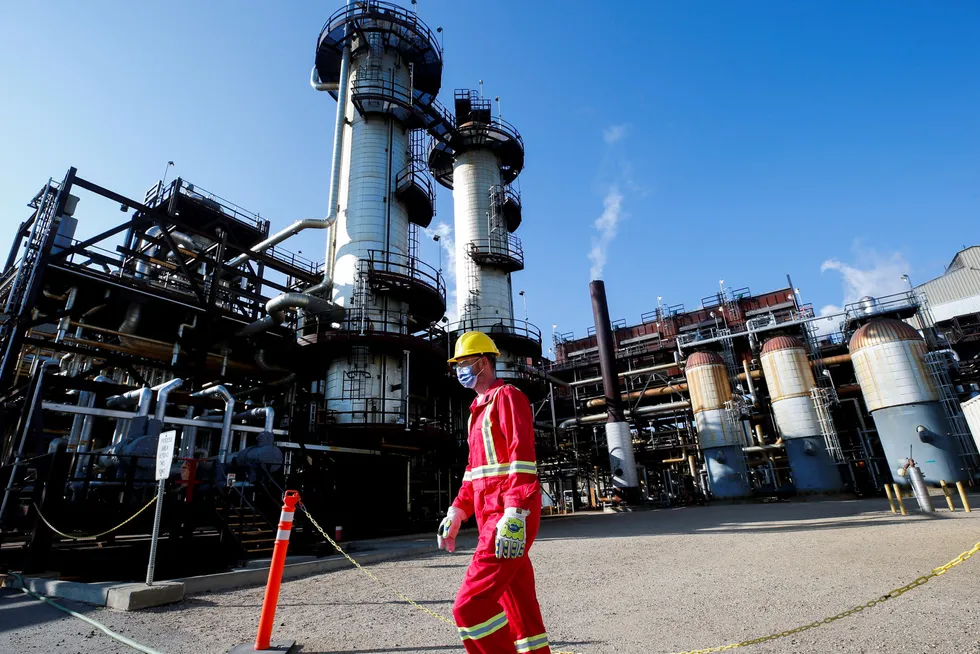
[925,434]
[318,85]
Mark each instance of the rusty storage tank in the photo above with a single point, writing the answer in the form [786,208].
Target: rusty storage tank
[790,380]
[889,362]
[721,443]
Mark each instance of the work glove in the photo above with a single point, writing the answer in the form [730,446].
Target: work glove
[512,534]
[448,528]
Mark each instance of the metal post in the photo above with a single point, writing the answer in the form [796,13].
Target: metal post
[151,568]
[949,496]
[898,498]
[962,490]
[888,494]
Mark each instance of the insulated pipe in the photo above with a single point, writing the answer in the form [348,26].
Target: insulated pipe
[163,390]
[85,434]
[748,382]
[223,393]
[142,397]
[333,194]
[642,411]
[277,306]
[267,411]
[759,436]
[607,352]
[279,237]
[920,489]
[318,85]
[143,267]
[180,335]
[629,373]
[63,323]
[405,386]
[761,448]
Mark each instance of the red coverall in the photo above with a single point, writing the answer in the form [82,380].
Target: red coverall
[496,608]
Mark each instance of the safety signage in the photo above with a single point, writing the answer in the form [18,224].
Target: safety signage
[165,453]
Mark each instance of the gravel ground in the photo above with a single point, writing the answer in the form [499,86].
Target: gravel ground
[655,581]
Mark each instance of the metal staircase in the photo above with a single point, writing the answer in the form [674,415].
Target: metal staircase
[17,281]
[823,399]
[939,363]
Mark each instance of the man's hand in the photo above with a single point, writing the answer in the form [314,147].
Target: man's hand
[512,534]
[448,528]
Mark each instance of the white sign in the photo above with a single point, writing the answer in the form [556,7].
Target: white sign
[165,453]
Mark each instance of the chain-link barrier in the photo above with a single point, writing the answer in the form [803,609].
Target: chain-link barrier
[901,590]
[897,592]
[93,536]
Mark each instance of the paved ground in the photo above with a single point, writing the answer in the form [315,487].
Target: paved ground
[658,581]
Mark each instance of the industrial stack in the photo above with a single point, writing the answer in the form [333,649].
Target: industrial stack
[484,157]
[619,436]
[385,68]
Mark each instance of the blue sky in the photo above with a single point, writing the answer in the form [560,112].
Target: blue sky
[835,141]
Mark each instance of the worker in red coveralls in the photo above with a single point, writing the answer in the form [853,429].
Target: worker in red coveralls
[496,608]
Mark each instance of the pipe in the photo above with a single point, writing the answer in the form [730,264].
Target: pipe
[163,390]
[85,434]
[405,385]
[142,397]
[333,196]
[760,437]
[132,319]
[920,489]
[607,352]
[321,86]
[669,389]
[755,449]
[188,437]
[748,382]
[279,237]
[277,306]
[692,465]
[267,411]
[680,459]
[66,319]
[143,267]
[180,336]
[229,400]
[629,373]
[642,411]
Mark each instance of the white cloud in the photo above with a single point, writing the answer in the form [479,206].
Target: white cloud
[606,226]
[615,133]
[446,242]
[871,273]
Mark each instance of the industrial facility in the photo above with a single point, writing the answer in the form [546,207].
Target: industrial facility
[191,316]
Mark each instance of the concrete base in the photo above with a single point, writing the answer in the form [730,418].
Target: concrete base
[133,597]
[280,646]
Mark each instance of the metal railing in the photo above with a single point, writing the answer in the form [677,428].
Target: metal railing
[499,326]
[420,33]
[497,247]
[214,202]
[406,266]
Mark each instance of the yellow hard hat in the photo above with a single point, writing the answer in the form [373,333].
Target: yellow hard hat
[472,343]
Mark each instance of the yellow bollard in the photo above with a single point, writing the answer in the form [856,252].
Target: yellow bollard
[898,498]
[949,496]
[888,494]
[962,490]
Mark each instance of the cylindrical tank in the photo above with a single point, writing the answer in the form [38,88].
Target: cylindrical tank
[790,380]
[707,380]
[888,357]
[372,222]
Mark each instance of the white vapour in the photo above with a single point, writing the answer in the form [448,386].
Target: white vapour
[614,133]
[871,274]
[445,234]
[605,225]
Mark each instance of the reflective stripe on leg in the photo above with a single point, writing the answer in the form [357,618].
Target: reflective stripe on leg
[484,629]
[532,643]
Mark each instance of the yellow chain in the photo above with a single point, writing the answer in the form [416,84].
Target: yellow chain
[108,531]
[901,590]
[396,592]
